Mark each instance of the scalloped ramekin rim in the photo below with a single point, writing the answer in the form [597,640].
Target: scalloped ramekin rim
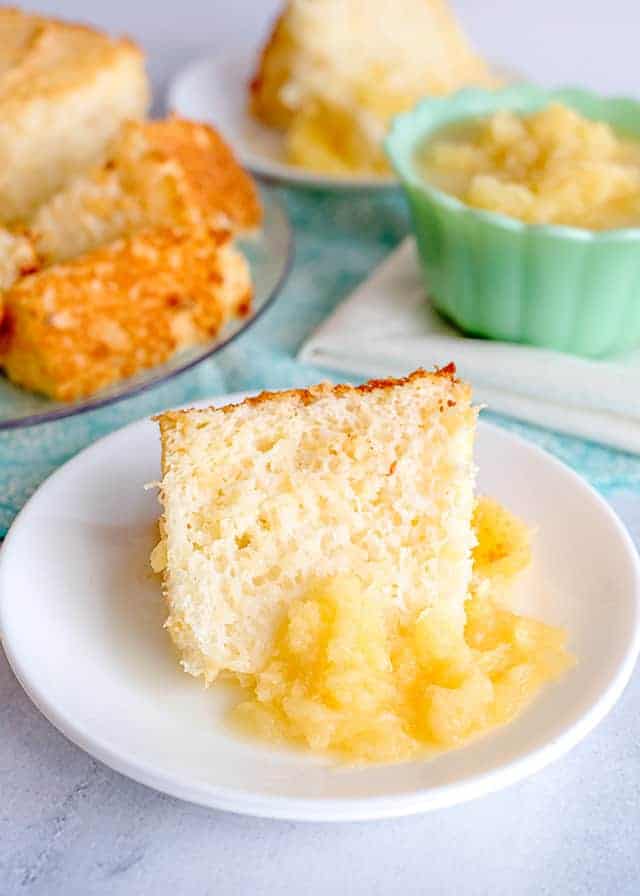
[403,134]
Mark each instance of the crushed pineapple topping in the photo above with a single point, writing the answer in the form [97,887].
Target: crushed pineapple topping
[342,680]
[552,167]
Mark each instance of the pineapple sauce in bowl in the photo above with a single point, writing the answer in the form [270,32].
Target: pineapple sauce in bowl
[553,166]
[525,206]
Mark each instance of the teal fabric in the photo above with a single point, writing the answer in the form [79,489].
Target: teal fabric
[340,238]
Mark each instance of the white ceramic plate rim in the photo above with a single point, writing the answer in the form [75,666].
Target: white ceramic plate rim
[351,809]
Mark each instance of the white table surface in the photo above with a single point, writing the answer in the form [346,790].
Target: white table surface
[69,825]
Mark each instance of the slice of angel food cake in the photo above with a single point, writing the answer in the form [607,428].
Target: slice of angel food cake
[333,73]
[325,547]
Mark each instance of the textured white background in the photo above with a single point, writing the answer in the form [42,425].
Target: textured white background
[70,826]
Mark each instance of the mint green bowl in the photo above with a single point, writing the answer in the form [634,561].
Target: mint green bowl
[564,288]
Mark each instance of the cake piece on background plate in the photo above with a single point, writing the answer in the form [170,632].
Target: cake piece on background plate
[334,72]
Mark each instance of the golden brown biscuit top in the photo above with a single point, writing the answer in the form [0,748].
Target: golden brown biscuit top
[116,267]
[212,173]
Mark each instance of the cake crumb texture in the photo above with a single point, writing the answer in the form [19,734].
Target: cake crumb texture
[262,498]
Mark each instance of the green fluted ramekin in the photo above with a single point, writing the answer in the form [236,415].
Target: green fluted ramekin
[565,288]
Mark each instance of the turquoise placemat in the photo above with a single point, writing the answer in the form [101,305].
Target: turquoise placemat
[340,237]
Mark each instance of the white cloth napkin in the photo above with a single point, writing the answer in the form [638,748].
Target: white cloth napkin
[387,328]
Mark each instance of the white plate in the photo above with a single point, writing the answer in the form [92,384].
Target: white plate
[81,618]
[215,89]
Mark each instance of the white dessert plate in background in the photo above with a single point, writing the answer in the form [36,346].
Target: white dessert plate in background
[81,619]
[214,89]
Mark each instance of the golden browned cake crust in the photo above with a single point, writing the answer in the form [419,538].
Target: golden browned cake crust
[307,396]
[213,180]
[74,328]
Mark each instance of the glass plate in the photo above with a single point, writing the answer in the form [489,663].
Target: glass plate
[269,252]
